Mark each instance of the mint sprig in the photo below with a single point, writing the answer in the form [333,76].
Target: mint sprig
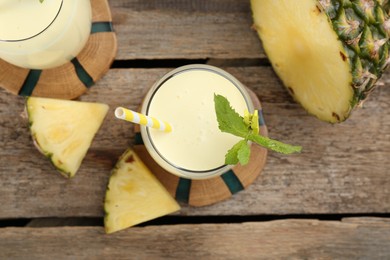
[229,121]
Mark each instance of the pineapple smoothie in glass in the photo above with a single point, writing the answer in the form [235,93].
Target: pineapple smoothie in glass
[44,34]
[184,97]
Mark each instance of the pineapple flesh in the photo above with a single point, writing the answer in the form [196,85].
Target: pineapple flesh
[134,195]
[63,130]
[328,53]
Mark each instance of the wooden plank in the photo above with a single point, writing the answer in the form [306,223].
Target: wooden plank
[215,6]
[282,239]
[64,222]
[343,168]
[171,29]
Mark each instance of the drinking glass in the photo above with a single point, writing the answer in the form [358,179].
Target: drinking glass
[44,34]
[184,97]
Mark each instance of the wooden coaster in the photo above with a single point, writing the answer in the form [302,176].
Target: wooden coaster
[209,191]
[72,79]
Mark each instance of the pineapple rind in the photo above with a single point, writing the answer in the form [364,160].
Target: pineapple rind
[49,117]
[134,195]
[362,26]
[49,156]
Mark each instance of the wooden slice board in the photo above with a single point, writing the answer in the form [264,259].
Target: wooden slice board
[209,191]
[72,79]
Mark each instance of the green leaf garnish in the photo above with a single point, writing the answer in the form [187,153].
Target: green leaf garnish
[247,127]
[244,153]
[41,1]
[274,144]
[229,121]
[239,153]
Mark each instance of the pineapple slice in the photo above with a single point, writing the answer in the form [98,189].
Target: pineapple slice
[63,130]
[134,195]
[328,53]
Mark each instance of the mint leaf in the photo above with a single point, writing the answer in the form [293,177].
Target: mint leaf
[244,153]
[247,127]
[274,144]
[238,153]
[229,121]
[231,157]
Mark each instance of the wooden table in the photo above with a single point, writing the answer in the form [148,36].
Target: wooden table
[331,201]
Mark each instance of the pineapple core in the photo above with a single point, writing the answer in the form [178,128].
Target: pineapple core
[307,55]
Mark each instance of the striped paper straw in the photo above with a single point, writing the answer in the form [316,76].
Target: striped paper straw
[134,117]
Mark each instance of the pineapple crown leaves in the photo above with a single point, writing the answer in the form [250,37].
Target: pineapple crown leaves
[247,127]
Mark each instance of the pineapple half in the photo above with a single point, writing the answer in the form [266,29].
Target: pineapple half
[328,53]
[63,130]
[134,195]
